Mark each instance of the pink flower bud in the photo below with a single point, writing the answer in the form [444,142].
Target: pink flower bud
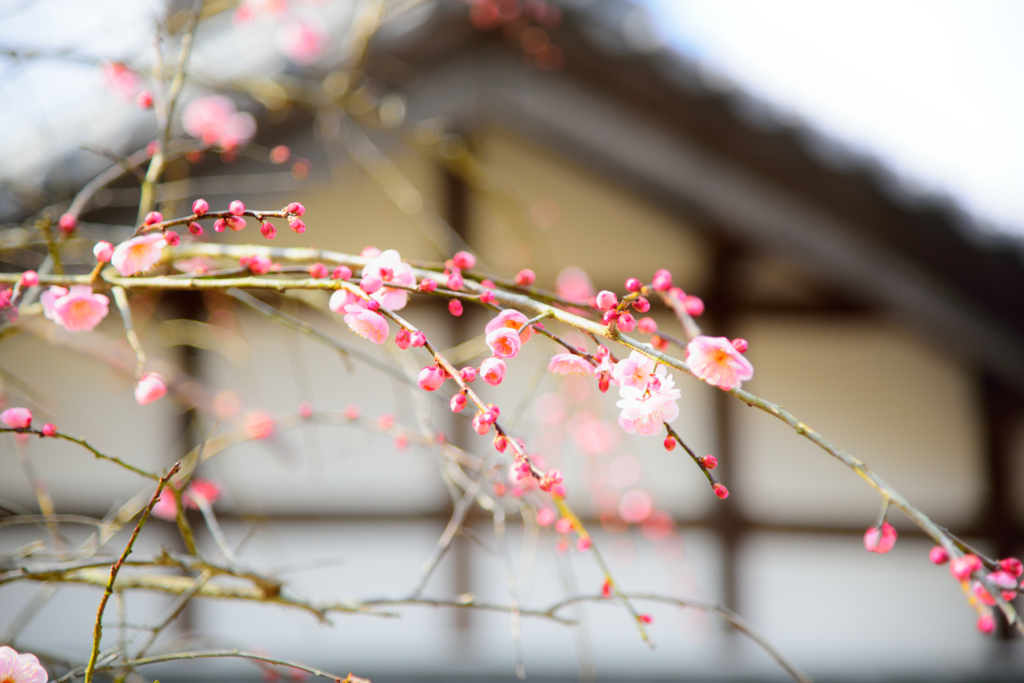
[144,99]
[720,491]
[172,238]
[236,208]
[609,316]
[880,540]
[740,345]
[493,371]
[236,223]
[626,322]
[525,277]
[150,387]
[371,283]
[458,402]
[646,618]
[200,207]
[318,271]
[195,229]
[67,223]
[427,285]
[455,281]
[402,339]
[29,278]
[647,325]
[296,209]
[153,217]
[986,624]
[641,305]
[305,409]
[463,260]
[500,444]
[563,526]
[49,429]
[373,305]
[606,300]
[545,517]
[352,412]
[455,307]
[258,425]
[670,443]
[468,374]
[1012,566]
[297,224]
[417,339]
[219,225]
[479,426]
[962,567]
[633,285]
[430,378]
[268,230]
[583,545]
[938,555]
[662,280]
[17,418]
[709,462]
[694,305]
[341,273]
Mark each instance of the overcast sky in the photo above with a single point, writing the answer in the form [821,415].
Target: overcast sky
[933,87]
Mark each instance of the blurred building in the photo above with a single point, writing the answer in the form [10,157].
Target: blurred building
[885,319]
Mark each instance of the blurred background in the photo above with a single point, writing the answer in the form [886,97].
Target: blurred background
[839,182]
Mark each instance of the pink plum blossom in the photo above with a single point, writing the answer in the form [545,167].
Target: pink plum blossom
[17,418]
[389,267]
[492,370]
[366,323]
[138,254]
[567,364]
[121,80]
[77,309]
[511,319]
[635,371]
[20,668]
[166,507]
[645,410]
[635,506]
[938,555]
[525,277]
[205,490]
[504,342]
[880,540]
[716,361]
[151,387]
[302,42]
[215,121]
[545,517]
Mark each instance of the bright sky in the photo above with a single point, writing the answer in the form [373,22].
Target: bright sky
[935,88]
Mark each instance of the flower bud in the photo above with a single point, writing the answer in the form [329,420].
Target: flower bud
[633,285]
[455,307]
[463,260]
[525,277]
[606,300]
[200,207]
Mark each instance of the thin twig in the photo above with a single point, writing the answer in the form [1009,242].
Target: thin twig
[97,631]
